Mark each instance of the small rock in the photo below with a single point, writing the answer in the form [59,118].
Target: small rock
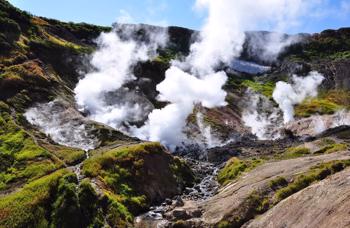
[180,214]
[196,213]
[179,202]
[168,201]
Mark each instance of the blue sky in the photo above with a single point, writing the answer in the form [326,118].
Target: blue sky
[333,14]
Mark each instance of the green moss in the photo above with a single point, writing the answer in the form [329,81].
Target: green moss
[126,170]
[27,207]
[277,183]
[235,167]
[316,106]
[340,55]
[265,89]
[224,224]
[332,148]
[256,203]
[182,171]
[117,214]
[22,159]
[295,152]
[93,166]
[316,173]
[69,156]
[165,56]
[65,208]
[328,102]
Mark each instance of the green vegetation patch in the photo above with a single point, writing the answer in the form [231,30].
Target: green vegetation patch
[57,200]
[278,182]
[313,106]
[256,203]
[316,173]
[165,56]
[235,167]
[96,164]
[295,152]
[265,89]
[68,155]
[330,44]
[21,159]
[27,207]
[332,148]
[126,171]
[328,102]
[340,55]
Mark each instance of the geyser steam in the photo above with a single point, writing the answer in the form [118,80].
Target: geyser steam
[193,81]
[183,91]
[62,124]
[118,52]
[287,95]
[220,42]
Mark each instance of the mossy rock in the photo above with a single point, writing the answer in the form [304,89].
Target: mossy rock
[133,171]
[235,167]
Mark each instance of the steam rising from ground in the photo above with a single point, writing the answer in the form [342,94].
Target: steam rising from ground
[221,41]
[317,124]
[266,121]
[287,95]
[209,139]
[261,116]
[191,82]
[183,91]
[118,51]
[63,125]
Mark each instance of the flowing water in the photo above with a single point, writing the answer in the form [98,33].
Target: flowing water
[207,186]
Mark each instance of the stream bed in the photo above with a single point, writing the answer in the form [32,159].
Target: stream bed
[206,186]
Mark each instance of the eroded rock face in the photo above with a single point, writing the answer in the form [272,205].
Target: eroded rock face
[322,205]
[337,73]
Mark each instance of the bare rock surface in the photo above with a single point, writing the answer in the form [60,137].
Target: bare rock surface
[229,199]
[322,205]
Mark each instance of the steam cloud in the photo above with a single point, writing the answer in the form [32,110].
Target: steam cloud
[183,91]
[261,116]
[118,52]
[188,83]
[209,139]
[63,125]
[287,95]
[221,41]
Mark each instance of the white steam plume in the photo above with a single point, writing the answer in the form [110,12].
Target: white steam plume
[223,34]
[221,41]
[210,141]
[287,95]
[63,125]
[268,46]
[183,91]
[118,52]
[261,116]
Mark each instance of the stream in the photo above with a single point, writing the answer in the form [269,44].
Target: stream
[206,187]
[77,168]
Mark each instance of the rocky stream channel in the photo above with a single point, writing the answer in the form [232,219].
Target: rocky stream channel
[162,216]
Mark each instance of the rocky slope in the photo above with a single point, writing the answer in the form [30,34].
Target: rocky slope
[109,179]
